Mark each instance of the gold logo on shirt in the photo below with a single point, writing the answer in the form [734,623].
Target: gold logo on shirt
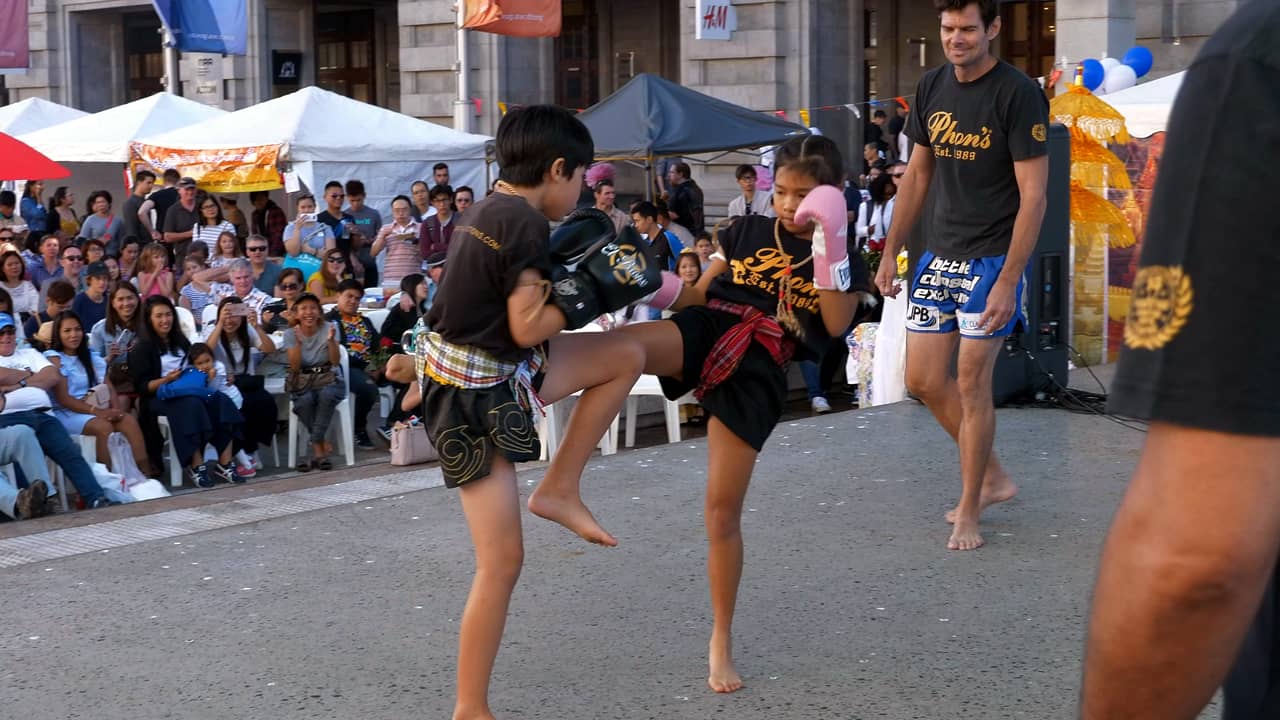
[1161,302]
[1038,132]
[948,140]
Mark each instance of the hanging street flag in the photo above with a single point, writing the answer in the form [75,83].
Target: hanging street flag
[14,49]
[517,18]
[211,26]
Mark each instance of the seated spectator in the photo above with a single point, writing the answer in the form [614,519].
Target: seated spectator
[325,281]
[82,370]
[265,271]
[113,267]
[236,336]
[93,251]
[130,250]
[681,232]
[704,246]
[60,296]
[90,306]
[666,246]
[289,287]
[195,420]
[155,279]
[26,299]
[357,335]
[399,239]
[689,267]
[19,447]
[26,378]
[195,295]
[227,249]
[46,266]
[240,275]
[315,380]
[113,338]
[196,252]
[402,316]
[306,235]
[71,258]
[435,275]
[6,306]
[217,378]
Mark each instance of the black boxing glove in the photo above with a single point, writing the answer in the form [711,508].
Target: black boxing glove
[575,295]
[580,231]
[611,275]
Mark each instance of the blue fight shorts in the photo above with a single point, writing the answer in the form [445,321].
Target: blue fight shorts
[950,295]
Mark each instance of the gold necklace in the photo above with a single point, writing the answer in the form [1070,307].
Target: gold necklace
[786,306]
[508,188]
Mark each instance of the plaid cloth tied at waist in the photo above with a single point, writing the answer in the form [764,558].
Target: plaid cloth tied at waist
[726,355]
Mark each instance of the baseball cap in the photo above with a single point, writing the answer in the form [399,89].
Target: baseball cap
[187,182]
[6,321]
[435,259]
[98,269]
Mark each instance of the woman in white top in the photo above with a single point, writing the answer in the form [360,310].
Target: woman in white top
[25,297]
[238,339]
[875,216]
[751,201]
[209,224]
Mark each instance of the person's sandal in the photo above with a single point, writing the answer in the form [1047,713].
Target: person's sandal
[303,466]
[323,463]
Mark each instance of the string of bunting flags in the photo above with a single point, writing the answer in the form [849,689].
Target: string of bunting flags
[804,114]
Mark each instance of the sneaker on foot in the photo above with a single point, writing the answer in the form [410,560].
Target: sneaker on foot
[820,405]
[362,440]
[224,473]
[31,500]
[200,474]
[246,472]
[385,432]
[102,502]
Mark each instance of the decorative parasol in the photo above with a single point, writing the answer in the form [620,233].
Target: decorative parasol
[1088,209]
[1094,165]
[1077,107]
[19,161]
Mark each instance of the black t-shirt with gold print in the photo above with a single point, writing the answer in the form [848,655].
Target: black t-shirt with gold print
[503,236]
[757,269]
[977,131]
[1200,343]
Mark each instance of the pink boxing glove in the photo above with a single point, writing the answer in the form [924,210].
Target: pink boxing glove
[824,206]
[666,295]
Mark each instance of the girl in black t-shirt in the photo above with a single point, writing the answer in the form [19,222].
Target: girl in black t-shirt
[764,307]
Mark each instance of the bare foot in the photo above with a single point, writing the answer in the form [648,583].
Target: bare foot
[995,489]
[965,536]
[723,678]
[569,511]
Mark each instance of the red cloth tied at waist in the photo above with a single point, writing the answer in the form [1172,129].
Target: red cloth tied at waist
[726,355]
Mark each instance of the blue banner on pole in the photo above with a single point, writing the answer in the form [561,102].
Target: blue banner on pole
[212,26]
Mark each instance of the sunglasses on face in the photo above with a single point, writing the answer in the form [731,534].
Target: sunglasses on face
[260,248]
[289,286]
[73,258]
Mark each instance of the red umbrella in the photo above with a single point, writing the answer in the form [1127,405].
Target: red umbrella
[19,161]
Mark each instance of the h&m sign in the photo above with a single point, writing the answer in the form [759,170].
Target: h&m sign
[716,20]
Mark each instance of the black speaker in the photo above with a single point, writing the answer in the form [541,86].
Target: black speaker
[1034,358]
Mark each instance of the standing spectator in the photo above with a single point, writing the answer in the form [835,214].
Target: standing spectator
[876,128]
[902,142]
[686,198]
[63,211]
[421,203]
[81,370]
[666,246]
[306,235]
[440,173]
[265,272]
[269,221]
[605,195]
[47,266]
[367,224]
[8,210]
[399,239]
[194,421]
[324,282]
[315,385]
[357,335]
[210,224]
[340,223]
[25,297]
[32,209]
[180,220]
[235,336]
[681,232]
[132,223]
[160,201]
[231,213]
[875,215]
[101,223]
[130,249]
[154,276]
[26,378]
[463,198]
[90,306]
[437,229]
[751,201]
[435,275]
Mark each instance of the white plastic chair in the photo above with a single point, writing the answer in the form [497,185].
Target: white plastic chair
[377,317]
[346,423]
[187,322]
[648,385]
[175,465]
[209,314]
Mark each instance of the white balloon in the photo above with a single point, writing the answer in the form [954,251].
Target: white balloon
[1119,78]
[1108,63]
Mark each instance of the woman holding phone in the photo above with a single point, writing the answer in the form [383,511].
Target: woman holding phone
[113,338]
[306,236]
[235,337]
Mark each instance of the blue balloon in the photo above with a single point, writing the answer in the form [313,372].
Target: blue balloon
[1094,74]
[1138,58]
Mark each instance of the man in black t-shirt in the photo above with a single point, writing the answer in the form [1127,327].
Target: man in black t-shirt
[686,198]
[160,201]
[1192,554]
[130,219]
[980,130]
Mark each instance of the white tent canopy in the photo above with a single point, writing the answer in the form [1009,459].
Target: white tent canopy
[35,114]
[1146,107]
[326,136]
[105,136]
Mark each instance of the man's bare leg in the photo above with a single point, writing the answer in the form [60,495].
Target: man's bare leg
[929,378]
[729,467]
[977,434]
[605,366]
[492,507]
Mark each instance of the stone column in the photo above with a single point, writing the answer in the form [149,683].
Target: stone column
[1093,28]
